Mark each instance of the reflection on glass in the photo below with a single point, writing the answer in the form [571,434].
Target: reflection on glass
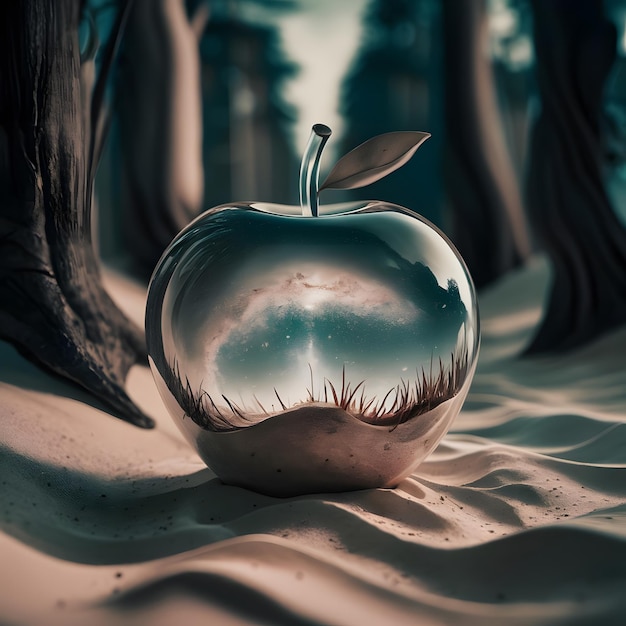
[251,312]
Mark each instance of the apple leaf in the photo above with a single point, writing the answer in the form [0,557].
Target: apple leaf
[374,159]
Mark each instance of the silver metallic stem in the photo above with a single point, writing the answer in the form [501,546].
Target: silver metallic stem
[309,169]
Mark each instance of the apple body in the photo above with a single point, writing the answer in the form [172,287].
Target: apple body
[306,354]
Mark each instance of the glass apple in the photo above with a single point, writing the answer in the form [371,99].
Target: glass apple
[310,349]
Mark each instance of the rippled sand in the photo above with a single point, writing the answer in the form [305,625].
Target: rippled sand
[518,517]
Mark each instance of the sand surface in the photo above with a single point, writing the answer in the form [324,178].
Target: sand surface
[518,517]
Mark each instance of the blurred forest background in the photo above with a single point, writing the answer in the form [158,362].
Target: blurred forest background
[269,69]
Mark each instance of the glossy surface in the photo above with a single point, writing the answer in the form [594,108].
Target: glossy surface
[253,311]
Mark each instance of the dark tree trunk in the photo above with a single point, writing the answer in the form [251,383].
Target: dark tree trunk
[53,306]
[159,108]
[488,224]
[568,205]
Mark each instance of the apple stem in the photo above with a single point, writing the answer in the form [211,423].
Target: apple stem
[310,169]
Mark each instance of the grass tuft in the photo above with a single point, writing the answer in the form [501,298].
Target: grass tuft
[405,401]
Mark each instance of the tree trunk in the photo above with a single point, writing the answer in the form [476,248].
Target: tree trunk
[488,224]
[53,306]
[568,205]
[159,108]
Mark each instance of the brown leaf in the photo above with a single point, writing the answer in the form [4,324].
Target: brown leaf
[374,159]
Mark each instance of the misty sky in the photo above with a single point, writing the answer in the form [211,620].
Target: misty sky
[327,320]
[322,37]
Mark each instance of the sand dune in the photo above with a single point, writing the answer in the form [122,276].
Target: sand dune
[519,516]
